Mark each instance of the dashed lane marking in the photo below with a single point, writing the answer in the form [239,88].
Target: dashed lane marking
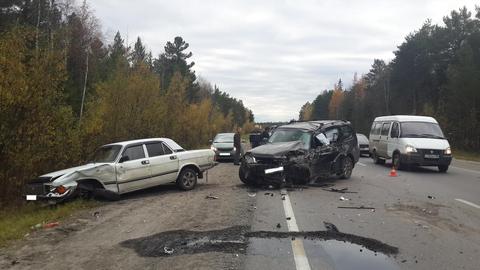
[468,203]
[299,255]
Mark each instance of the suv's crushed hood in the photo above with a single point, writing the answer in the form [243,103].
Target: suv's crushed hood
[276,150]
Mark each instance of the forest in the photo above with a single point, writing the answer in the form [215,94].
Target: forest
[434,72]
[65,90]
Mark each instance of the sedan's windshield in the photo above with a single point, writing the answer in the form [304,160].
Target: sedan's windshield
[224,138]
[106,153]
[421,130]
[289,135]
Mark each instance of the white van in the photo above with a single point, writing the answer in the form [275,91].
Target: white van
[409,140]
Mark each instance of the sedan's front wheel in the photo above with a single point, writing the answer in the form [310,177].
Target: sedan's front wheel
[187,179]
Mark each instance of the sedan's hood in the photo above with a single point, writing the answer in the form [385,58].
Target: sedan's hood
[223,144]
[276,149]
[70,170]
[427,143]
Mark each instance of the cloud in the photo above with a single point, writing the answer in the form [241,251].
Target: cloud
[275,55]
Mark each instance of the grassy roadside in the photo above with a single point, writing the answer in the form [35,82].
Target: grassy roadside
[460,154]
[15,223]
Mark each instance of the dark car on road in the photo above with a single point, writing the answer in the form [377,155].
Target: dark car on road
[301,152]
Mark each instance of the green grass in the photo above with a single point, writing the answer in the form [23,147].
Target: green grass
[15,223]
[465,155]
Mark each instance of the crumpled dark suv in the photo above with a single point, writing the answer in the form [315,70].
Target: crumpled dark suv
[302,152]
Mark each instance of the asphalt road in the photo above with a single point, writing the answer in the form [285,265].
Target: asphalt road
[422,219]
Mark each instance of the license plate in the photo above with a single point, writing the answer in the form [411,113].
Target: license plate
[31,197]
[224,154]
[274,170]
[431,156]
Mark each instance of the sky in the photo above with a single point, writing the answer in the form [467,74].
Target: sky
[274,55]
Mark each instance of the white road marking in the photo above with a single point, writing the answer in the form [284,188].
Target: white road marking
[361,164]
[299,255]
[468,203]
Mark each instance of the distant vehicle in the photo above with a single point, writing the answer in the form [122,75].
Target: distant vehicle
[255,139]
[409,140]
[222,144]
[300,152]
[363,144]
[123,167]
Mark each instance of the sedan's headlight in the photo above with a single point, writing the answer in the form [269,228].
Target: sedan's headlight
[234,149]
[448,151]
[410,149]
[213,148]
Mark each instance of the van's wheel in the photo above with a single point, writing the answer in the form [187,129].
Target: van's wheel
[396,161]
[442,168]
[187,179]
[376,159]
[347,168]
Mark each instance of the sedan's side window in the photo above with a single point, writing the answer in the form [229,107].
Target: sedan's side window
[134,152]
[166,150]
[155,149]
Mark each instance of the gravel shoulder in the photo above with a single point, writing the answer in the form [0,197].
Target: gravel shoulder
[93,239]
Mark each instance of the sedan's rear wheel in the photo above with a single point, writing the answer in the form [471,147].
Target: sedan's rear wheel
[187,179]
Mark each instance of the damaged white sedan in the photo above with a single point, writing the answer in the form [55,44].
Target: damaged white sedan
[124,167]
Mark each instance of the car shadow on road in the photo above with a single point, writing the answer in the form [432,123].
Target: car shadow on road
[413,169]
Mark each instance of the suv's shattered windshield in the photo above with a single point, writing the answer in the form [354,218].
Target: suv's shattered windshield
[290,135]
[106,153]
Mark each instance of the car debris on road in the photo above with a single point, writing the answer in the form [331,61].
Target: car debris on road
[339,190]
[211,197]
[356,207]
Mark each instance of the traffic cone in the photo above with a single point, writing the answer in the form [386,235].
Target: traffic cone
[393,172]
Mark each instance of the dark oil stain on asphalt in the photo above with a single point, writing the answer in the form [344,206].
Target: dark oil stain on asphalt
[339,249]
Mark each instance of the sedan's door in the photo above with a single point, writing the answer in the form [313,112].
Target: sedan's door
[163,163]
[133,169]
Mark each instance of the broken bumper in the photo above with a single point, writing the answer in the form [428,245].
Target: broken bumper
[37,192]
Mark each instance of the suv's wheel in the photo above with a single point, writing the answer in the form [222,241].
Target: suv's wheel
[347,168]
[443,168]
[376,159]
[243,174]
[187,179]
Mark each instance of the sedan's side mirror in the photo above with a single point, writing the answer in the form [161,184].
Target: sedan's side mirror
[123,159]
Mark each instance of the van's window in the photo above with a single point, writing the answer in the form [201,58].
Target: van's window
[376,128]
[395,131]
[385,128]
[421,130]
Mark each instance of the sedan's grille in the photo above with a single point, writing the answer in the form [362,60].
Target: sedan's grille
[225,149]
